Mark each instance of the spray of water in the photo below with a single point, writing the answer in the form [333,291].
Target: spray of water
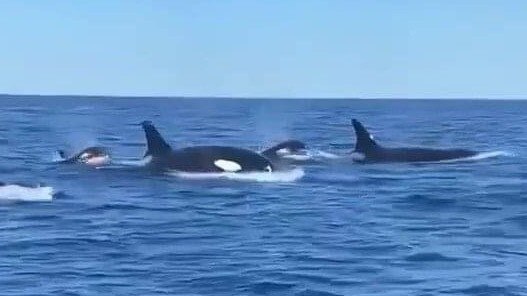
[12,193]
[280,176]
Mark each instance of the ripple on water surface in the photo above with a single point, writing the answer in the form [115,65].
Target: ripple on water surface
[329,228]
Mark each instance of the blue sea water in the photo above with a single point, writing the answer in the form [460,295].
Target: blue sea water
[335,228]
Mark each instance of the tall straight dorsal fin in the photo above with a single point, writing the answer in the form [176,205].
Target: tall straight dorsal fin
[156,145]
[365,141]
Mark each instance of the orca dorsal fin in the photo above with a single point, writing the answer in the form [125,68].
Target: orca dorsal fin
[365,142]
[156,145]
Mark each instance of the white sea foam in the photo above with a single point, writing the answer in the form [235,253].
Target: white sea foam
[312,154]
[56,157]
[277,176]
[300,157]
[136,162]
[491,154]
[479,156]
[15,192]
[324,154]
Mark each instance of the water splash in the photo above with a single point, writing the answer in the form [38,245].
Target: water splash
[327,155]
[134,162]
[479,156]
[312,155]
[55,157]
[279,176]
[21,193]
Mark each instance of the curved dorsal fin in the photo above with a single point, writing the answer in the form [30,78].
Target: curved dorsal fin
[156,145]
[365,141]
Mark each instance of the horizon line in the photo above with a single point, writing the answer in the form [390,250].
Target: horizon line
[103,96]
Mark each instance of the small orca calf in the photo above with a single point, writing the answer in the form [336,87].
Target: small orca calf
[95,156]
[288,147]
[367,150]
[201,159]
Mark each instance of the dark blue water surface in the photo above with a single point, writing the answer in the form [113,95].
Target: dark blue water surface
[340,229]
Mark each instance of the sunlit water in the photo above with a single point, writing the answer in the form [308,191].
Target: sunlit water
[329,228]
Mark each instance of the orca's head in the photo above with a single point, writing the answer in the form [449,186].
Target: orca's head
[291,147]
[95,156]
[294,145]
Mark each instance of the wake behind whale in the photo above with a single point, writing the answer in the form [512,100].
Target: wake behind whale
[277,176]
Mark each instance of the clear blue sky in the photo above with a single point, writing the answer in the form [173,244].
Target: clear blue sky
[272,48]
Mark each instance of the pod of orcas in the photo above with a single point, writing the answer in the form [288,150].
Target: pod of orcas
[217,159]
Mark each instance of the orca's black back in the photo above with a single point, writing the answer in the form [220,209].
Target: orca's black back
[203,158]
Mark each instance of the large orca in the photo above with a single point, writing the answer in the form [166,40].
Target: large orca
[201,158]
[367,150]
[95,156]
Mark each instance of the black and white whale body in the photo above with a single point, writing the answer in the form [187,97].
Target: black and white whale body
[95,156]
[287,154]
[201,159]
[367,150]
[284,149]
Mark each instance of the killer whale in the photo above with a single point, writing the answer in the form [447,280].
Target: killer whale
[90,156]
[367,150]
[283,149]
[201,159]
[286,154]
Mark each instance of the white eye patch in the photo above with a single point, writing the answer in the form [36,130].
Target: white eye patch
[269,169]
[227,165]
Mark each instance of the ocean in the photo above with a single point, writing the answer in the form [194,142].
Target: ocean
[331,227]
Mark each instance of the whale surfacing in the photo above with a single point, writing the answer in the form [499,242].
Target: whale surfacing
[92,156]
[201,159]
[367,150]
